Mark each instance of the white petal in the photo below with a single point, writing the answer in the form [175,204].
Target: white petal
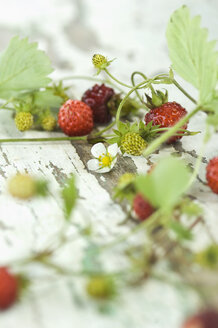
[113,162]
[93,164]
[104,169]
[113,149]
[98,149]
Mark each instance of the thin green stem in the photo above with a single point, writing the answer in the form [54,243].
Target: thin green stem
[95,79]
[124,100]
[183,91]
[42,139]
[116,80]
[148,223]
[133,83]
[157,142]
[104,130]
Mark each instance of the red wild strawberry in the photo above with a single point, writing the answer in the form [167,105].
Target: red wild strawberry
[212,174]
[166,116]
[8,289]
[97,98]
[142,207]
[75,118]
[206,319]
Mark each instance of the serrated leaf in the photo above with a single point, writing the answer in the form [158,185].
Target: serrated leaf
[23,67]
[165,184]
[193,57]
[69,196]
[134,127]
[124,127]
[113,140]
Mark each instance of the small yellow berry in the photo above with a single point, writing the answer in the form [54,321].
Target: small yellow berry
[48,123]
[100,287]
[22,186]
[24,121]
[99,61]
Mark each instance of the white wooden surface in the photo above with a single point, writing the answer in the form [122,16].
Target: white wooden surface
[71,31]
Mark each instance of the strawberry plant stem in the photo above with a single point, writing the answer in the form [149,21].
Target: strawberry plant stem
[116,80]
[157,142]
[105,129]
[125,98]
[95,79]
[43,139]
[183,91]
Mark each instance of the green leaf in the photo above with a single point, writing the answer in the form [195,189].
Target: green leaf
[69,195]
[46,98]
[91,262]
[191,208]
[113,140]
[23,67]
[193,57]
[165,184]
[182,233]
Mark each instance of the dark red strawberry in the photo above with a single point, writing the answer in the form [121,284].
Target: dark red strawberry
[142,207]
[75,118]
[97,98]
[166,116]
[212,174]
[8,288]
[206,319]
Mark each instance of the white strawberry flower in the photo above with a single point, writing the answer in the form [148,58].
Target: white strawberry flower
[105,159]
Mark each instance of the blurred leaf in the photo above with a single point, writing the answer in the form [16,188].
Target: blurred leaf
[165,184]
[91,262]
[69,195]
[182,233]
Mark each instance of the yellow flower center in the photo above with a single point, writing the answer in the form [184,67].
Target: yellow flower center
[105,160]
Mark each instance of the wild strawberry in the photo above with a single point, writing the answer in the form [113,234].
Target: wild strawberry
[142,207]
[23,121]
[8,289]
[48,123]
[101,287]
[75,118]
[22,186]
[133,144]
[206,319]
[166,116]
[99,61]
[212,174]
[97,98]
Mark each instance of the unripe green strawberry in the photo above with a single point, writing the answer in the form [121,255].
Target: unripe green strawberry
[100,287]
[24,121]
[22,186]
[99,60]
[48,123]
[125,179]
[133,144]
